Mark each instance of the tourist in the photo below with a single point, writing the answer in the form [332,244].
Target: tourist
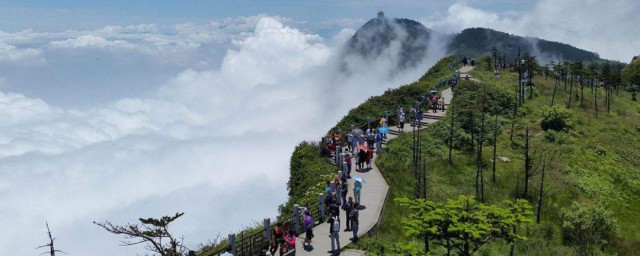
[378,142]
[363,158]
[334,234]
[344,189]
[350,141]
[308,228]
[357,187]
[371,137]
[354,217]
[290,240]
[435,103]
[401,119]
[278,238]
[348,210]
[442,104]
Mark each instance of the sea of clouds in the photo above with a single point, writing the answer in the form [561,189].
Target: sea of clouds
[213,141]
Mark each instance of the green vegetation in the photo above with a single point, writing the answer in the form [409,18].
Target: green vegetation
[587,227]
[588,157]
[309,173]
[464,225]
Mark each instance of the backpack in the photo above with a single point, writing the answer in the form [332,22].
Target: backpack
[345,205]
[336,225]
[354,215]
[370,136]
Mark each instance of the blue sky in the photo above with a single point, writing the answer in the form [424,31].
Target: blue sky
[65,14]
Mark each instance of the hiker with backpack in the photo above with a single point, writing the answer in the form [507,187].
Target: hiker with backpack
[371,138]
[354,216]
[334,233]
[357,187]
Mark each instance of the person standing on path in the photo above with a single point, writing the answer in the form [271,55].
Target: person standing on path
[308,228]
[344,188]
[401,119]
[362,155]
[334,234]
[357,187]
[371,137]
[348,159]
[350,141]
[354,217]
[348,212]
[378,142]
[290,240]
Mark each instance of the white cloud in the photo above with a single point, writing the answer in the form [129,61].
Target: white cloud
[606,27]
[213,143]
[10,54]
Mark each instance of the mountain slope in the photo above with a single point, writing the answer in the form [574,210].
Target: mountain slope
[475,41]
[402,41]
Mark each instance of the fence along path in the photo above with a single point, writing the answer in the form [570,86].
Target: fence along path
[373,196]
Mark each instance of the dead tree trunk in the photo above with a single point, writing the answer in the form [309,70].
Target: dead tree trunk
[528,164]
[52,250]
[495,143]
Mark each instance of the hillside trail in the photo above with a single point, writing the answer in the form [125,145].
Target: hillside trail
[373,195]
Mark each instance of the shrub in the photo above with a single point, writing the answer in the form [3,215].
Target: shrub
[556,118]
[587,227]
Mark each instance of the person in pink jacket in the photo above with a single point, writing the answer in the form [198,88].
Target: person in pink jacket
[290,240]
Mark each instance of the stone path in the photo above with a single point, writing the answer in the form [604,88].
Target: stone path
[373,195]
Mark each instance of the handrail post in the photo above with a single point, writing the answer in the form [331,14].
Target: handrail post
[266,234]
[320,207]
[232,242]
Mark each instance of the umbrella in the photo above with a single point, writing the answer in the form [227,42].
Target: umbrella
[363,147]
[356,132]
[358,178]
[384,130]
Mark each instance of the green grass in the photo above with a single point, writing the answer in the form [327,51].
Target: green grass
[596,163]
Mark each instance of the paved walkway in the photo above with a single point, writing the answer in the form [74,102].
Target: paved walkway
[373,195]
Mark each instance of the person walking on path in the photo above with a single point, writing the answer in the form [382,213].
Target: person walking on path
[357,187]
[354,216]
[401,119]
[378,143]
[442,103]
[334,234]
[350,141]
[308,228]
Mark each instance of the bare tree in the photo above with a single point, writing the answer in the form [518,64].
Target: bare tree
[152,232]
[52,250]
[546,160]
